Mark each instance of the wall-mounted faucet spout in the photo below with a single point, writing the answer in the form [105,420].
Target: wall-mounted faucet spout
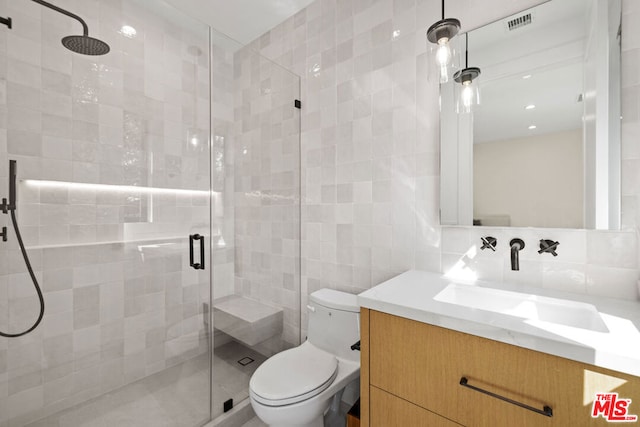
[516,246]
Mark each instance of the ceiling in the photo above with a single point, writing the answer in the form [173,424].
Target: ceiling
[242,20]
[540,64]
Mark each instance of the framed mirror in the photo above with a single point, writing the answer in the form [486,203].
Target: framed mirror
[543,147]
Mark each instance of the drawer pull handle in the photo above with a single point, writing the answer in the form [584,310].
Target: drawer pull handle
[546,410]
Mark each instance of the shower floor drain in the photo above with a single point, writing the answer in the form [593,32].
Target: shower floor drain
[245,361]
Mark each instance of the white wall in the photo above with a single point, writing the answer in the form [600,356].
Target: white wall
[602,118]
[537,181]
[370,155]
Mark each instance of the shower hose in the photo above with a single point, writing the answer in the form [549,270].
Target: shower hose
[33,279]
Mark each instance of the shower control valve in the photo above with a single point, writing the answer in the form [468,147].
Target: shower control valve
[489,243]
[4,207]
[548,246]
[3,234]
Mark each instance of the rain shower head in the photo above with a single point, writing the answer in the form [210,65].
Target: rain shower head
[83,44]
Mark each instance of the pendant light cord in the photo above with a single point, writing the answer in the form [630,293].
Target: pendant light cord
[466,50]
[443,9]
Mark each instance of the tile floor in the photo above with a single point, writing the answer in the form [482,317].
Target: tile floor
[231,378]
[340,420]
[175,397]
[254,422]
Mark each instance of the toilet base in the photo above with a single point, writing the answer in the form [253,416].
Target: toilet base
[309,413]
[318,422]
[330,413]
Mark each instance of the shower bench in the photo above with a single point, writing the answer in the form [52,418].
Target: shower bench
[246,320]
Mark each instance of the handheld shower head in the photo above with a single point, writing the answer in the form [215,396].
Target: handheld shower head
[10,208]
[13,172]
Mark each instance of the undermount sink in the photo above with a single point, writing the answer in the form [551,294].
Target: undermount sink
[526,306]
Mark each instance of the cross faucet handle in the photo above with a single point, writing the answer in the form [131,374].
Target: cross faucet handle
[548,246]
[489,243]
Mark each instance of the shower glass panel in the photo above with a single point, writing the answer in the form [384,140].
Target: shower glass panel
[256,230]
[113,176]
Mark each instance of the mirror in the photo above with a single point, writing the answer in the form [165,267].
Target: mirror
[543,147]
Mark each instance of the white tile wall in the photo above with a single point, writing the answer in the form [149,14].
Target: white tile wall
[267,189]
[370,150]
[115,312]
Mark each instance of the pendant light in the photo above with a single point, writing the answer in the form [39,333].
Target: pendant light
[469,94]
[440,34]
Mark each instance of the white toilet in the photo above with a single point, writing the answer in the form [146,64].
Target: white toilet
[295,387]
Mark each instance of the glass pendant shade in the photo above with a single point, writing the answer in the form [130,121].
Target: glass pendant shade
[467,92]
[442,57]
[441,51]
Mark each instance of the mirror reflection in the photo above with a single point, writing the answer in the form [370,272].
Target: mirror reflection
[542,148]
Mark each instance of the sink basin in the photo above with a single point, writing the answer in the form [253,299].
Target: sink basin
[526,306]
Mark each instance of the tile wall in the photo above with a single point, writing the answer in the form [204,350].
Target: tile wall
[370,154]
[121,301]
[267,190]
[223,141]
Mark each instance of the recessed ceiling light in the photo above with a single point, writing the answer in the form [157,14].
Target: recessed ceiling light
[396,34]
[527,76]
[128,31]
[530,107]
[533,127]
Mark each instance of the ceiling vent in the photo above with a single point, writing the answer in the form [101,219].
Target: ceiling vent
[519,22]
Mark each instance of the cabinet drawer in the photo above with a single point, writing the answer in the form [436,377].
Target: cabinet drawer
[424,364]
[415,362]
[388,410]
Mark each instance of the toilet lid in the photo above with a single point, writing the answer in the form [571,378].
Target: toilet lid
[293,375]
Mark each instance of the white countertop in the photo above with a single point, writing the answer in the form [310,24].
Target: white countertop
[411,295]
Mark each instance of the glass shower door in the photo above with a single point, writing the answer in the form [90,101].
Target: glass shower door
[256,161]
[113,187]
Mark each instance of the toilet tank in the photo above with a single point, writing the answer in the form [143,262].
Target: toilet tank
[334,322]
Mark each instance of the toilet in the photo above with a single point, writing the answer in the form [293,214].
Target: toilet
[296,387]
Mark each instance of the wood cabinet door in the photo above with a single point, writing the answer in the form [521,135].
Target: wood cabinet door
[415,362]
[537,380]
[424,364]
[388,410]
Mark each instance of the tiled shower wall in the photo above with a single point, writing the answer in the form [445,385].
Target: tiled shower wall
[121,302]
[222,112]
[267,190]
[370,155]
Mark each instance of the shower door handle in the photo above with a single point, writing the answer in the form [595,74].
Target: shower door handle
[200,239]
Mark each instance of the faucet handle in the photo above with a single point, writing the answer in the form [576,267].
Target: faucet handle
[548,246]
[489,243]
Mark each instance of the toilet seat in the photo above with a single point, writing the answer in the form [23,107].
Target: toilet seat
[293,376]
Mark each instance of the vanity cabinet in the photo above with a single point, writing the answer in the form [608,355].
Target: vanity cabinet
[414,370]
